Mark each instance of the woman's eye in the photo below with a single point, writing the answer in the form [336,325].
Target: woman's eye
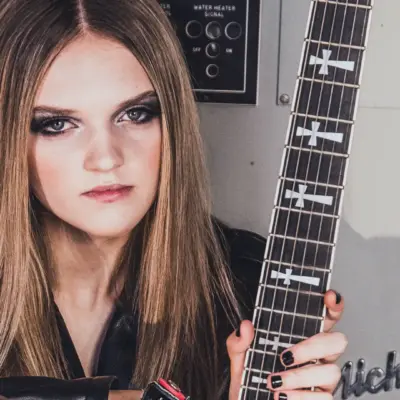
[139,115]
[51,127]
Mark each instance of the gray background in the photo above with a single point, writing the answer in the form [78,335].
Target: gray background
[245,148]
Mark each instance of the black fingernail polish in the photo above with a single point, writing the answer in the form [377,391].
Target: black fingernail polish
[287,358]
[338,298]
[282,396]
[276,381]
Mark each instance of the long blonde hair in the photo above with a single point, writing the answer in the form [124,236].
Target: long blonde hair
[180,268]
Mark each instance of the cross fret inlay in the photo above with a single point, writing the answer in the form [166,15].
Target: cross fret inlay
[275,343]
[287,277]
[314,133]
[325,63]
[301,196]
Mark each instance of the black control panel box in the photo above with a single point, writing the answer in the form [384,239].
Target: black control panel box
[221,41]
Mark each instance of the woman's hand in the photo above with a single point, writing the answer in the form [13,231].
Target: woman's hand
[325,347]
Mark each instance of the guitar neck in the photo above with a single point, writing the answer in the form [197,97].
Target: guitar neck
[305,220]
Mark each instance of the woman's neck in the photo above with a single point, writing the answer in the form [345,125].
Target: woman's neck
[83,266]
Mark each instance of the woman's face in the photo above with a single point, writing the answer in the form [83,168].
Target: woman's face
[96,122]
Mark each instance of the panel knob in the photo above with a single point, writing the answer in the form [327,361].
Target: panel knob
[194,29]
[213,30]
[233,30]
[213,50]
[212,70]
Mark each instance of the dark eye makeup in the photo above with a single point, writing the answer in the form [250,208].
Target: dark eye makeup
[53,124]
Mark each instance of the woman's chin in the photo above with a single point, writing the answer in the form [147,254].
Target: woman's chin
[107,230]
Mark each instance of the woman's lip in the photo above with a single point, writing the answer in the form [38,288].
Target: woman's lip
[109,196]
[106,188]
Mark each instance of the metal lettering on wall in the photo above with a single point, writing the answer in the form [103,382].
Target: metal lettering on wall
[221,43]
[373,381]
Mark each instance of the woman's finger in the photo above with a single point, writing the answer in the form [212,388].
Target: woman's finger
[302,395]
[324,376]
[334,309]
[237,346]
[325,346]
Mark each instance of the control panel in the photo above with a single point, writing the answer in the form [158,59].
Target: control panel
[221,42]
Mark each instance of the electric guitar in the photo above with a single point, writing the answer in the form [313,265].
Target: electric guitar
[304,225]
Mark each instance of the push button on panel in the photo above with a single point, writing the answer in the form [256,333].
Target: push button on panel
[194,29]
[233,30]
[213,50]
[213,30]
[212,70]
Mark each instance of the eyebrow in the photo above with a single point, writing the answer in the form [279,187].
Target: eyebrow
[144,97]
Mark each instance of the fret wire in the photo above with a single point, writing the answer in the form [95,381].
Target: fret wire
[255,390]
[315,200]
[344,4]
[269,353]
[286,264]
[301,239]
[257,370]
[339,14]
[290,313]
[325,271]
[342,121]
[299,284]
[327,82]
[345,46]
[290,323]
[320,96]
[321,134]
[266,352]
[312,213]
[280,290]
[300,219]
[274,333]
[341,187]
[309,308]
[306,267]
[304,253]
[328,153]
[296,158]
[263,285]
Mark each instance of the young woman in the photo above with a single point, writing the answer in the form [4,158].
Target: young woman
[113,270]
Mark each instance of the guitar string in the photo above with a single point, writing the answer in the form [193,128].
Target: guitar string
[334,144]
[258,313]
[344,164]
[300,213]
[312,15]
[353,102]
[307,48]
[317,168]
[356,10]
[323,208]
[310,167]
[341,160]
[300,84]
[275,220]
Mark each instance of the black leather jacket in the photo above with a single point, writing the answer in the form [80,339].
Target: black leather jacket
[117,353]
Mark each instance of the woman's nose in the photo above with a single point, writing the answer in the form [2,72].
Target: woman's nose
[103,154]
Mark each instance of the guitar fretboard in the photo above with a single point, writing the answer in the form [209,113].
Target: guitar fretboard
[304,225]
